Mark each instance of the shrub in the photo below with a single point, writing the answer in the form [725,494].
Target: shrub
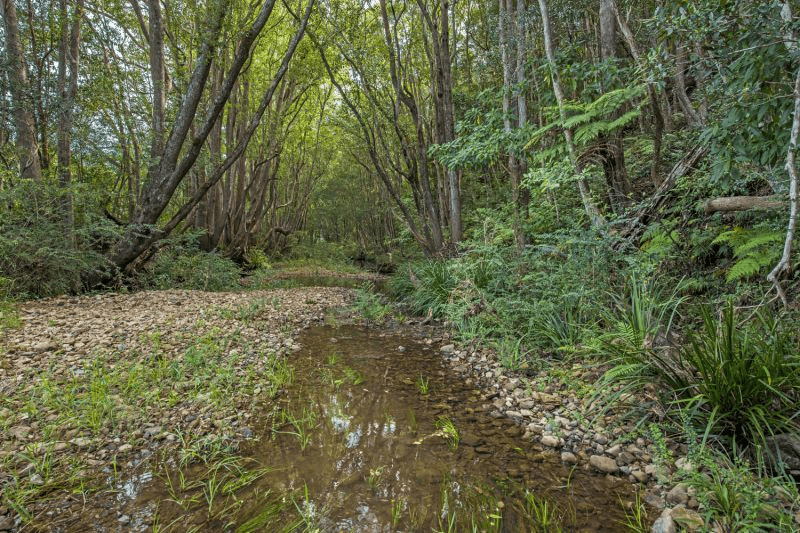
[424,287]
[9,318]
[181,265]
[37,253]
[635,344]
[737,382]
[369,304]
[256,259]
[741,381]
[733,495]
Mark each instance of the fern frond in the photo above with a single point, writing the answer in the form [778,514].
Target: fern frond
[591,131]
[728,236]
[624,371]
[613,100]
[745,268]
[625,119]
[575,120]
[757,240]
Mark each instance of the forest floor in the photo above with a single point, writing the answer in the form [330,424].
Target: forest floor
[93,387]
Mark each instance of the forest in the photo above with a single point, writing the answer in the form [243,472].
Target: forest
[568,183]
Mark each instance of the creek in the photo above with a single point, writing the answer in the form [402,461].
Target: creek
[373,433]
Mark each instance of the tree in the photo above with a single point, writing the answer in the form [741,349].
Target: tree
[27,146]
[513,29]
[188,135]
[583,187]
[442,88]
[68,61]
[611,151]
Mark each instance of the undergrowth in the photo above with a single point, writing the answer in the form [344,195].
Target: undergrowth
[696,354]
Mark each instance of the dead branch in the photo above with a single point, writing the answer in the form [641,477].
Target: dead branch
[642,216]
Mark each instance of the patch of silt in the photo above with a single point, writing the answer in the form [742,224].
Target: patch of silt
[361,439]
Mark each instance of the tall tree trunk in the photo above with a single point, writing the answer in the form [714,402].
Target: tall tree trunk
[442,75]
[406,98]
[611,150]
[157,78]
[508,28]
[27,147]
[652,93]
[68,59]
[449,123]
[523,196]
[583,187]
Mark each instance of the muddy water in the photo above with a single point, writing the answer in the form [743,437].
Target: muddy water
[362,444]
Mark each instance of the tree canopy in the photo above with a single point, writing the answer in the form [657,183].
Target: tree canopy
[394,125]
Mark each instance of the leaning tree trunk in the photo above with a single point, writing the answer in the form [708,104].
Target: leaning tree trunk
[784,266]
[407,99]
[180,152]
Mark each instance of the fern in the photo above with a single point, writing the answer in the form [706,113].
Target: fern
[593,119]
[759,240]
[754,248]
[745,268]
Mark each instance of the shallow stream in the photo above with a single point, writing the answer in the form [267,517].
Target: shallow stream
[374,433]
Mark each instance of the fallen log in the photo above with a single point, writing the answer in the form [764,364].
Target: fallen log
[743,203]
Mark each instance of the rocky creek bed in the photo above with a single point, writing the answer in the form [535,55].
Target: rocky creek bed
[96,389]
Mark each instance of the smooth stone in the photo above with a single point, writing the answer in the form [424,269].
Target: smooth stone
[20,432]
[81,442]
[569,458]
[683,463]
[6,523]
[677,495]
[614,450]
[152,431]
[664,523]
[551,441]
[784,448]
[686,518]
[625,458]
[603,464]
